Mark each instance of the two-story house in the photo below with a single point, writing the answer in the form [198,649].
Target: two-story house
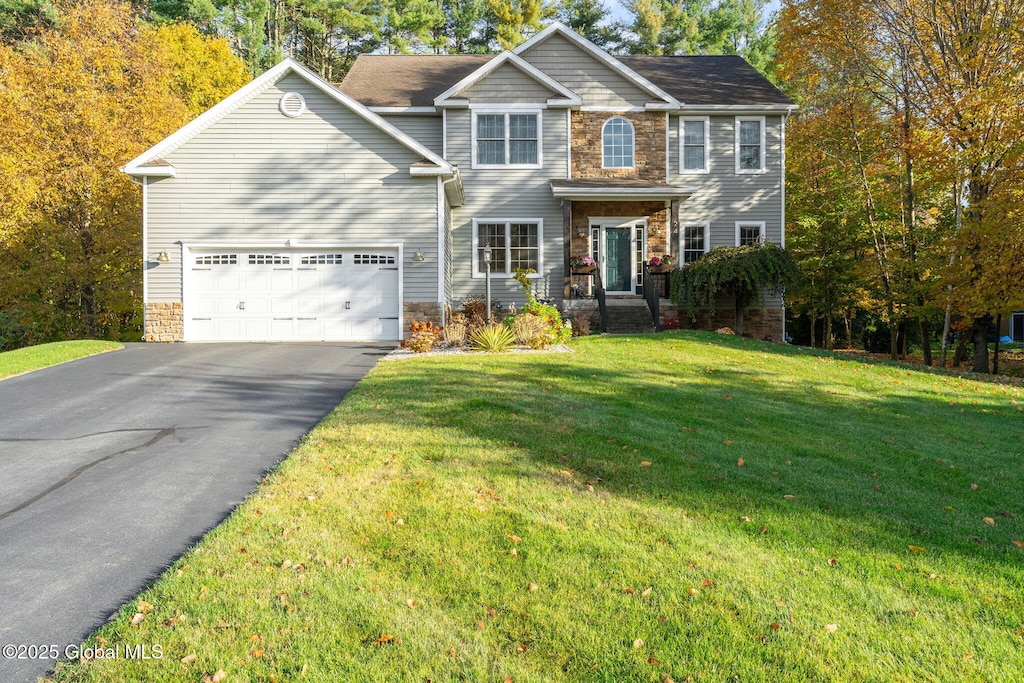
[296,210]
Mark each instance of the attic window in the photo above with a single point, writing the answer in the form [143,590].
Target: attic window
[292,104]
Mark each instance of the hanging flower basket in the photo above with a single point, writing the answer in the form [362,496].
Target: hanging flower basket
[662,264]
[583,265]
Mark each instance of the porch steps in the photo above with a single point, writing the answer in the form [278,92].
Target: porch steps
[631,319]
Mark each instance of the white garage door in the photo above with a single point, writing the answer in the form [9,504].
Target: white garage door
[266,295]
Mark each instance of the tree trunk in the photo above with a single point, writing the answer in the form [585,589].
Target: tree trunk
[894,340]
[828,333]
[849,329]
[979,333]
[995,354]
[960,354]
[926,343]
[814,325]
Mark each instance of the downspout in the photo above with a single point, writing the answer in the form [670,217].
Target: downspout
[782,181]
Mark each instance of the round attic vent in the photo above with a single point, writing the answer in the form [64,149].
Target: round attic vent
[292,104]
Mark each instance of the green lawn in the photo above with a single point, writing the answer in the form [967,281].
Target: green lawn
[32,358]
[585,517]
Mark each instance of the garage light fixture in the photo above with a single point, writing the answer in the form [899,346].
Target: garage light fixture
[164,257]
[418,257]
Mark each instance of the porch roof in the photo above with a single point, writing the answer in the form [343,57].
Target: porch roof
[617,189]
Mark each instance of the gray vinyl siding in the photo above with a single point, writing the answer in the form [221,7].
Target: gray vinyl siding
[425,130]
[592,80]
[507,84]
[508,194]
[724,197]
[327,175]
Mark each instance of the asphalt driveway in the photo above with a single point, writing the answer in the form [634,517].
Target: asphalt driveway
[112,466]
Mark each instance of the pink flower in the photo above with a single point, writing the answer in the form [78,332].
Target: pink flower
[655,261]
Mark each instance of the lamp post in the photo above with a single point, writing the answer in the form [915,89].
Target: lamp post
[487,278]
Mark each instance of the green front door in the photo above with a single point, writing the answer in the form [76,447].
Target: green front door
[618,260]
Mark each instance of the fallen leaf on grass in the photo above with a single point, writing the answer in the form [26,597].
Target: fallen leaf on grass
[832,562]
[974,487]
[709,583]
[647,593]
[514,538]
[534,586]
[522,648]
[223,625]
[917,549]
[513,552]
[452,653]
[933,576]
[775,626]
[728,442]
[645,464]
[216,677]
[1019,544]
[653,660]
[989,521]
[480,625]
[950,507]
[740,462]
[388,514]
[384,638]
[256,652]
[410,602]
[789,496]
[189,659]
[638,643]
[744,519]
[175,620]
[831,628]
[137,619]
[629,591]
[978,540]
[144,607]
[692,591]
[491,612]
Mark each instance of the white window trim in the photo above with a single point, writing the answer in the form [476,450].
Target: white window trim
[476,275]
[632,129]
[707,146]
[507,110]
[736,151]
[683,225]
[748,224]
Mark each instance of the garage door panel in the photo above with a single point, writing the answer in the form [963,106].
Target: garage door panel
[263,295]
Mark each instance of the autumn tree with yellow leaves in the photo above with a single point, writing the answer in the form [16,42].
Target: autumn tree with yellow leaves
[943,78]
[80,99]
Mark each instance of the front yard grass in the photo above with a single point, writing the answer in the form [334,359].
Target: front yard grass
[645,508]
[20,361]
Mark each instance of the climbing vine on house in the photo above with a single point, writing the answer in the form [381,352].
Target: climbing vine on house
[743,273]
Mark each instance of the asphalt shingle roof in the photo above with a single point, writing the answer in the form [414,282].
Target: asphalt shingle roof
[415,80]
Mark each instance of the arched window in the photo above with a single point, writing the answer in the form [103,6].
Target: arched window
[617,143]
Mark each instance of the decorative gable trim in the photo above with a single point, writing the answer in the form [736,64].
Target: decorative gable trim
[667,101]
[142,165]
[448,99]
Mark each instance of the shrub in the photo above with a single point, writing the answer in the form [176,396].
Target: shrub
[457,330]
[560,333]
[474,308]
[492,338]
[531,330]
[580,323]
[423,335]
[12,333]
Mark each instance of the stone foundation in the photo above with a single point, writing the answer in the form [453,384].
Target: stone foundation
[420,311]
[759,323]
[164,322]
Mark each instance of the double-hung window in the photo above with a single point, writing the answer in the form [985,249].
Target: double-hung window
[750,143]
[749,233]
[506,139]
[695,240]
[694,146]
[514,245]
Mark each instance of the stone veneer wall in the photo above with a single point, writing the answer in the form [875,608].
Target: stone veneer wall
[649,145]
[759,323]
[420,311]
[164,322]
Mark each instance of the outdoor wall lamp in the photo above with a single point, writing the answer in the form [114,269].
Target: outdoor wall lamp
[164,257]
[418,257]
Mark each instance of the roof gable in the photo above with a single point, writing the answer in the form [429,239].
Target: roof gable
[144,163]
[407,80]
[504,62]
[581,65]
